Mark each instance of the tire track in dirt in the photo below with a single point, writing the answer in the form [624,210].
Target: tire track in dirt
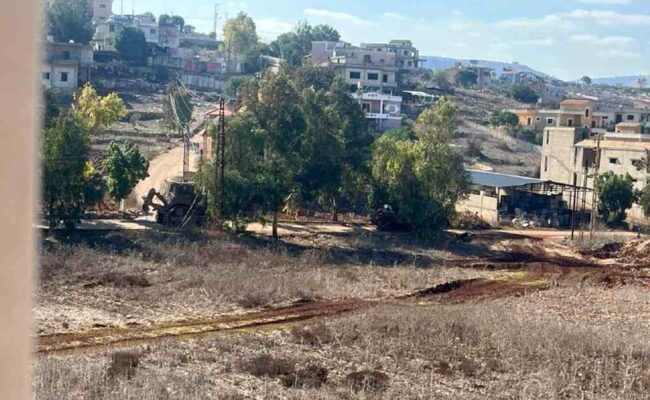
[279,317]
[520,278]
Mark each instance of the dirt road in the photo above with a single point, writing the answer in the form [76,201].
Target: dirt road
[165,166]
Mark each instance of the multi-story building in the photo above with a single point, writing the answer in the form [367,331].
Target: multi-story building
[383,111]
[576,138]
[169,36]
[106,33]
[66,65]
[371,73]
[407,57]
[102,11]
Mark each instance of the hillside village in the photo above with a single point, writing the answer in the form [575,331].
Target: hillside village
[226,216]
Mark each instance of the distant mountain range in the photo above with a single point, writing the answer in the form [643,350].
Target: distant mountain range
[627,81]
[441,63]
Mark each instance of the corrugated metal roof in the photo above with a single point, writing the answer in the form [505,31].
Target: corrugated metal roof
[493,179]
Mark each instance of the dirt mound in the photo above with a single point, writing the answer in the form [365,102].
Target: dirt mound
[637,252]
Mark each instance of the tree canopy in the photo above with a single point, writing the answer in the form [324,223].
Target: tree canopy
[523,93]
[466,78]
[295,45]
[64,160]
[71,20]
[423,178]
[132,45]
[96,112]
[124,167]
[616,196]
[504,118]
[240,38]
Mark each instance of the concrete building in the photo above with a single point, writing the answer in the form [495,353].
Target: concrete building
[407,57]
[66,66]
[190,38]
[102,11]
[498,198]
[371,70]
[383,111]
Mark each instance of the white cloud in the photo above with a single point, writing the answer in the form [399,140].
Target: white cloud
[607,40]
[459,44]
[394,16]
[457,13]
[337,16]
[270,28]
[566,20]
[548,41]
[613,53]
[461,26]
[606,2]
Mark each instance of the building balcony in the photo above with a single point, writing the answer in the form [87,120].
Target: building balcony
[383,116]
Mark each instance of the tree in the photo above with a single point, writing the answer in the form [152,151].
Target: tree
[240,39]
[421,179]
[504,118]
[71,20]
[124,168]
[64,150]
[231,87]
[466,78]
[586,80]
[49,107]
[294,46]
[96,112]
[616,195]
[523,93]
[644,199]
[132,45]
[177,106]
[316,77]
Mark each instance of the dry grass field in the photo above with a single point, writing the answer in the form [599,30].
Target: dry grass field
[492,318]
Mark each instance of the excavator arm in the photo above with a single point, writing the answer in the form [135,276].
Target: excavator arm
[147,201]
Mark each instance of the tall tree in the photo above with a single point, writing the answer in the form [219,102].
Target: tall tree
[64,160]
[49,107]
[240,38]
[295,45]
[71,20]
[616,196]
[132,45]
[96,112]
[124,167]
[421,179]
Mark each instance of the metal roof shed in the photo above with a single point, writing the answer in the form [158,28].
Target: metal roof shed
[496,180]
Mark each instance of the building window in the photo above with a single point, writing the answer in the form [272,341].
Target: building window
[406,53]
[538,119]
[381,61]
[593,124]
[529,121]
[570,122]
[373,76]
[587,113]
[46,76]
[385,78]
[111,28]
[365,107]
[65,55]
[64,76]
[613,160]
[549,121]
[153,31]
[630,117]
[355,75]
[545,164]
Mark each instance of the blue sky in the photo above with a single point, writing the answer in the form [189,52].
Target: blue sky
[565,38]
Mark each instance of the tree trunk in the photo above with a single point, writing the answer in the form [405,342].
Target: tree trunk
[335,211]
[275,224]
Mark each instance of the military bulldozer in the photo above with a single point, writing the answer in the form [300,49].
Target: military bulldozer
[179,204]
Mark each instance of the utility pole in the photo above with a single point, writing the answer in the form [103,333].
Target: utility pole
[219,159]
[122,8]
[573,207]
[594,201]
